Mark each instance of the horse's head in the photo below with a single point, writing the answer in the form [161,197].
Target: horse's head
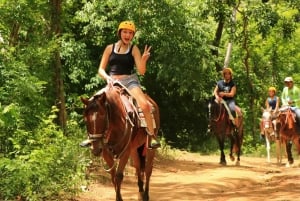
[267,118]
[213,107]
[96,119]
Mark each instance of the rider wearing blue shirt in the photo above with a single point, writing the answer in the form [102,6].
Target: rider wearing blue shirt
[272,102]
[226,90]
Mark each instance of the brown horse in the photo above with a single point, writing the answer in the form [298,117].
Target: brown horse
[115,130]
[289,132]
[222,127]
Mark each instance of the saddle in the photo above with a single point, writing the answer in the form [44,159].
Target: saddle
[289,113]
[131,107]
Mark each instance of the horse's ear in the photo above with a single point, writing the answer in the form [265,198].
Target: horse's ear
[101,97]
[262,109]
[84,100]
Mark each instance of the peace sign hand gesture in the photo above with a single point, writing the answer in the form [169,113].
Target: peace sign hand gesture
[146,53]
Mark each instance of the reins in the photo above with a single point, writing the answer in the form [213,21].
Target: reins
[221,114]
[126,130]
[95,136]
[288,114]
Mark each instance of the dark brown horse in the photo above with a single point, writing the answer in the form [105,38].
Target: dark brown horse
[289,132]
[113,125]
[222,127]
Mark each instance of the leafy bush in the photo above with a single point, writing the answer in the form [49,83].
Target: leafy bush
[45,164]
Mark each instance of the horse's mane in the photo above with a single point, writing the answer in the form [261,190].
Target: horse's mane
[92,104]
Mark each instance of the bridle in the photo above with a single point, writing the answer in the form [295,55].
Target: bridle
[221,112]
[101,135]
[104,135]
[267,121]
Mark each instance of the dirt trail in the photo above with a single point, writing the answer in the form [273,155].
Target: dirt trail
[197,177]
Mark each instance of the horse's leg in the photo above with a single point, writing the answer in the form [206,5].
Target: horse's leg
[109,159]
[268,147]
[296,141]
[236,144]
[135,155]
[289,153]
[148,172]
[238,139]
[278,151]
[232,146]
[120,174]
[283,146]
[221,140]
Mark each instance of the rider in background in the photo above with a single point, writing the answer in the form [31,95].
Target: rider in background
[226,90]
[291,97]
[272,102]
[121,57]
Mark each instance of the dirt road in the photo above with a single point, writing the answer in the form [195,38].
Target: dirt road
[197,177]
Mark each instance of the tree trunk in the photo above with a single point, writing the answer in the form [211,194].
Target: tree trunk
[14,34]
[216,43]
[57,66]
[247,68]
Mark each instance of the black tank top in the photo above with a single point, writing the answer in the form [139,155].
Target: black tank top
[121,64]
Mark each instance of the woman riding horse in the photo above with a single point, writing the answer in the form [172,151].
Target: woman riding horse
[225,90]
[222,110]
[272,103]
[115,133]
[122,56]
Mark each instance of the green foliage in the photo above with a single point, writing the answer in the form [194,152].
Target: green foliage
[40,161]
[266,18]
[45,164]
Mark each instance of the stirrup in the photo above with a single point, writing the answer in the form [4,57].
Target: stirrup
[154,144]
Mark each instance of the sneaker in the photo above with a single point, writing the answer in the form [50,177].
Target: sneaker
[85,143]
[154,144]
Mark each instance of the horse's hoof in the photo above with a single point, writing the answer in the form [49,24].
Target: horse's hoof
[237,163]
[146,197]
[223,163]
[232,158]
[288,165]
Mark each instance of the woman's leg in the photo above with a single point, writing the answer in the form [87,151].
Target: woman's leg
[231,105]
[141,99]
[235,111]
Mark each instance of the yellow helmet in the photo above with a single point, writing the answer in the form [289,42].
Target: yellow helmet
[127,25]
[227,69]
[272,89]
